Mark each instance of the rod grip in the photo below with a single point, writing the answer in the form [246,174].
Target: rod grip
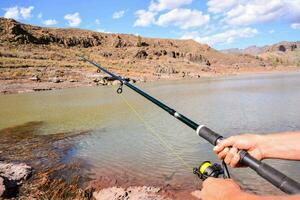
[209,135]
[272,175]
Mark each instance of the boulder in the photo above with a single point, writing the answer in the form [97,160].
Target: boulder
[142,54]
[12,176]
[15,172]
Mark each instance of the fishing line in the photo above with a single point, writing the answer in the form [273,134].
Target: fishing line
[155,134]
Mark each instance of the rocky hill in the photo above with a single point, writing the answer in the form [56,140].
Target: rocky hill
[39,58]
[283,53]
[252,50]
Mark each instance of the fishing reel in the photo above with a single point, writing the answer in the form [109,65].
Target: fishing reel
[207,169]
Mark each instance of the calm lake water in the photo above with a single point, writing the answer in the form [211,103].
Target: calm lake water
[120,144]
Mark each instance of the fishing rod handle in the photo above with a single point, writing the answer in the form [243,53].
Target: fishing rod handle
[270,174]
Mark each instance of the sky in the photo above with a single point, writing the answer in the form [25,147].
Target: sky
[221,24]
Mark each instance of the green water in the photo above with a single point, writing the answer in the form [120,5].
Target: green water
[119,144]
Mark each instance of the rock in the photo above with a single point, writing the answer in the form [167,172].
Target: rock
[41,89]
[141,54]
[166,70]
[96,80]
[56,80]
[12,176]
[172,54]
[102,82]
[158,53]
[2,186]
[281,48]
[207,63]
[35,78]
[17,32]
[119,43]
[15,172]
[106,54]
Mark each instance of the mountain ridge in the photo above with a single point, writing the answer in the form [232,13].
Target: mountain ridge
[40,56]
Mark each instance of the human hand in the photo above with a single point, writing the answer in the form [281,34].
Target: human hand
[220,189]
[227,149]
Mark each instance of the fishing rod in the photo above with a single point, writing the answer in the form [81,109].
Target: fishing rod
[206,169]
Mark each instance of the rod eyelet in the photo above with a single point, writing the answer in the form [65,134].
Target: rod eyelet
[119,90]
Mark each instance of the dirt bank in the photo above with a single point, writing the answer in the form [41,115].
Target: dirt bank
[90,78]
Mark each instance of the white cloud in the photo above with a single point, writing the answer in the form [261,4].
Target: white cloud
[118,14]
[295,26]
[18,13]
[97,21]
[26,12]
[183,18]
[254,12]
[40,15]
[12,12]
[226,37]
[49,22]
[218,6]
[246,12]
[145,18]
[161,5]
[73,19]
[271,31]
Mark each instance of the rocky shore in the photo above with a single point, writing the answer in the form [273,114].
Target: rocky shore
[93,79]
[34,166]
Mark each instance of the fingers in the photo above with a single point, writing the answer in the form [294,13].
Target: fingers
[225,143]
[235,160]
[223,153]
[229,159]
[230,156]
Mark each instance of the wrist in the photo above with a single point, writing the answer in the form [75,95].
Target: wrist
[262,145]
[266,146]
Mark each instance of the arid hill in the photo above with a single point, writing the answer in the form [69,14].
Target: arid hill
[38,58]
[282,53]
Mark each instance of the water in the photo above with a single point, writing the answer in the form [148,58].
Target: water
[120,144]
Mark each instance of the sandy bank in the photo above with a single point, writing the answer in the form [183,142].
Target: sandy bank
[13,86]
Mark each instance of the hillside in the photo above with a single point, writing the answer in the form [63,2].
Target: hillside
[282,53]
[38,58]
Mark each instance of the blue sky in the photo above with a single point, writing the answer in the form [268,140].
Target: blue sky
[219,23]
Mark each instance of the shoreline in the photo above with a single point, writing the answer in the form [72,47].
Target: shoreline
[57,173]
[30,85]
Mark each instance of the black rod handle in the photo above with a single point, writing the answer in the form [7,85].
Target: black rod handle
[272,175]
[267,172]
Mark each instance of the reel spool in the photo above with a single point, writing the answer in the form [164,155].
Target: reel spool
[207,169]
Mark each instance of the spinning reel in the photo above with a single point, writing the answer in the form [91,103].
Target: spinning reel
[207,169]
